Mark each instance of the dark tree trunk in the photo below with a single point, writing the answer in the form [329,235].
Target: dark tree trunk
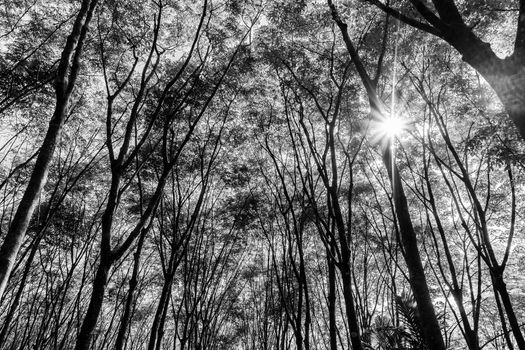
[501,313]
[418,281]
[417,277]
[505,76]
[331,301]
[346,274]
[95,305]
[155,333]
[126,317]
[501,287]
[101,278]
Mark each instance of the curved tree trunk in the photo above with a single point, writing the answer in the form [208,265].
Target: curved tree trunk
[505,76]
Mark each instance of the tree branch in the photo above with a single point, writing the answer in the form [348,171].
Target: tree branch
[408,20]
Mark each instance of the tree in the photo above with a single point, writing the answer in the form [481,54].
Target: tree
[64,84]
[412,257]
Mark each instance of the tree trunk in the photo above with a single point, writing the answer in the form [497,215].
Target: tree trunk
[505,76]
[64,84]
[412,256]
[162,305]
[95,305]
[501,313]
[124,322]
[501,287]
[18,295]
[331,302]
[510,89]
[346,274]
[16,233]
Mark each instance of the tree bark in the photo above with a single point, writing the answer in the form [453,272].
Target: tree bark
[101,277]
[16,300]
[505,76]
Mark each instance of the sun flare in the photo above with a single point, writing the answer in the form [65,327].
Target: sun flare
[392,126]
[389,128]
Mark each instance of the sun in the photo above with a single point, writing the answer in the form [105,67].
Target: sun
[392,126]
[389,128]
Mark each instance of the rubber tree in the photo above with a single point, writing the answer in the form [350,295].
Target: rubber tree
[486,250]
[417,278]
[64,84]
[289,265]
[68,178]
[334,225]
[179,230]
[163,114]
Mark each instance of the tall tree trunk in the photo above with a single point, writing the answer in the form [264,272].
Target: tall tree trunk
[64,83]
[501,287]
[155,332]
[501,313]
[95,305]
[18,295]
[101,277]
[346,271]
[307,316]
[331,301]
[416,272]
[126,317]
